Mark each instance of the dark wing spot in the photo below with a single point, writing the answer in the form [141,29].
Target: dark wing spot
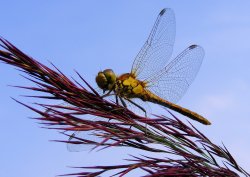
[162,11]
[192,46]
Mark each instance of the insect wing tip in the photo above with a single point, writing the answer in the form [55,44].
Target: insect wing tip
[163,11]
[193,46]
[198,48]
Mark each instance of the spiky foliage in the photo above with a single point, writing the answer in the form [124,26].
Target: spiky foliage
[194,154]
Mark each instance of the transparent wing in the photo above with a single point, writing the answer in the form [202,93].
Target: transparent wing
[172,82]
[158,48]
[76,147]
[88,140]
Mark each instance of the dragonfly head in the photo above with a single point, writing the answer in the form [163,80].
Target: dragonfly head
[106,79]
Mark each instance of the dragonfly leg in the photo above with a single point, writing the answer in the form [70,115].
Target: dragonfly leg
[107,94]
[138,106]
[123,102]
[141,109]
[117,103]
[125,105]
[116,100]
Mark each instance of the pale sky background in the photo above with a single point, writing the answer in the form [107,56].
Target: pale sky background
[92,35]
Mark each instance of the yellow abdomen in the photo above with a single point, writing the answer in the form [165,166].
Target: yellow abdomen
[184,111]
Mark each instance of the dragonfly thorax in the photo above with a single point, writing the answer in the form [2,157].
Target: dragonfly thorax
[129,87]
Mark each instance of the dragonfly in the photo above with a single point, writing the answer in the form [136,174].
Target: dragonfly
[152,78]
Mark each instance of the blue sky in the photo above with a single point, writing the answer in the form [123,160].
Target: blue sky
[92,35]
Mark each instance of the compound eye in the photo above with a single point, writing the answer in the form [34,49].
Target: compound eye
[101,81]
[106,79]
[111,78]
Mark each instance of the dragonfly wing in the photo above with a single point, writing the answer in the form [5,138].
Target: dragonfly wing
[172,82]
[158,48]
[87,139]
